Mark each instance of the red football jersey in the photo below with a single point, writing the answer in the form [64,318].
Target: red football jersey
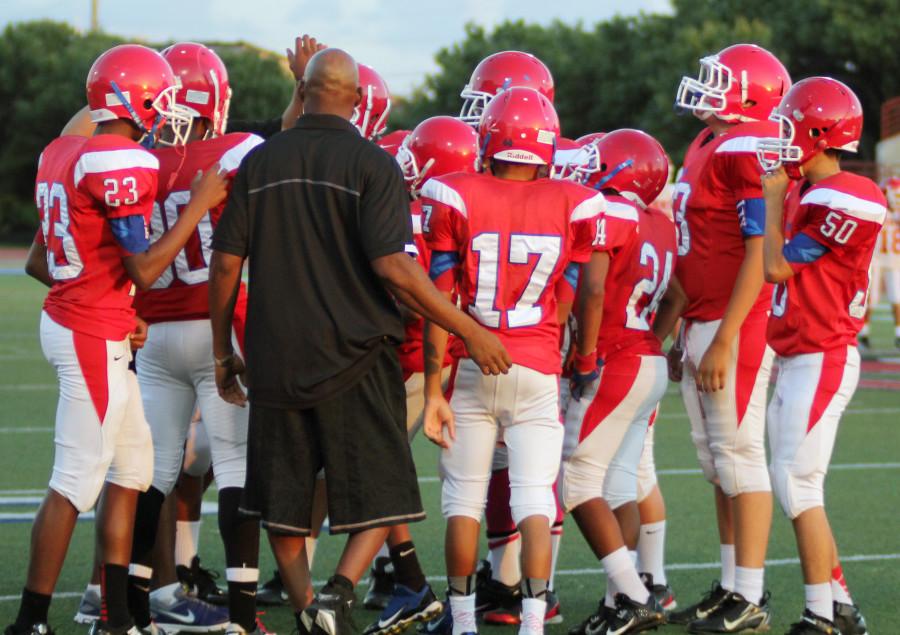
[514,240]
[718,173]
[412,359]
[638,276]
[822,306]
[181,292]
[81,183]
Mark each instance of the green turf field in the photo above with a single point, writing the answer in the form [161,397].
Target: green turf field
[863,499]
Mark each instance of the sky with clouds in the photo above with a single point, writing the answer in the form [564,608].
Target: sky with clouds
[397,37]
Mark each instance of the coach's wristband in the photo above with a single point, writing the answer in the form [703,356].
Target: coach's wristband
[586,363]
[225,361]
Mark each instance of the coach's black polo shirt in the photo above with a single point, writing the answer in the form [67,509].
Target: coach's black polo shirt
[310,209]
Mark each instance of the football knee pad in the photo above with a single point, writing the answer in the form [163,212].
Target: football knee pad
[797,493]
[532,500]
[461,499]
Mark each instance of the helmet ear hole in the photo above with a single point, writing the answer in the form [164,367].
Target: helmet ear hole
[814,132]
[603,166]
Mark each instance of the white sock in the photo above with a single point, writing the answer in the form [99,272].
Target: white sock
[819,600]
[533,613]
[311,550]
[92,588]
[609,599]
[839,593]
[187,541]
[620,569]
[651,549]
[504,559]
[749,583]
[462,610]
[556,535]
[727,554]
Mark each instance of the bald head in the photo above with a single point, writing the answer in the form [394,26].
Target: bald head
[330,84]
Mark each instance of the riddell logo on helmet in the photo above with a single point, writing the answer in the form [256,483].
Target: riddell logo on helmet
[517,155]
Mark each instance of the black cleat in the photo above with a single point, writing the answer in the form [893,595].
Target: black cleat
[329,614]
[849,620]
[594,624]
[632,617]
[735,615]
[864,343]
[407,607]
[201,582]
[35,629]
[662,592]
[812,624]
[707,604]
[272,593]
[381,584]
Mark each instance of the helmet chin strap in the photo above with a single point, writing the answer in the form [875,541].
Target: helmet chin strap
[147,140]
[627,163]
[482,150]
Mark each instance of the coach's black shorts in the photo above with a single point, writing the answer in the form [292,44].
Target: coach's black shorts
[358,436]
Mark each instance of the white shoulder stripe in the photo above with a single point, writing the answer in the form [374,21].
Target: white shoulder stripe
[232,158]
[739,145]
[589,208]
[112,160]
[417,224]
[443,193]
[614,209]
[846,204]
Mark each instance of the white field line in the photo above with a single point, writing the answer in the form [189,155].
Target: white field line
[678,415]
[678,566]
[15,497]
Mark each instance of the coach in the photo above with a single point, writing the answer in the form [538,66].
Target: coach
[323,217]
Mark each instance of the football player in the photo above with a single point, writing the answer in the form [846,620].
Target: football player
[95,197]
[620,373]
[502,239]
[886,264]
[175,369]
[719,213]
[819,242]
[437,146]
[371,114]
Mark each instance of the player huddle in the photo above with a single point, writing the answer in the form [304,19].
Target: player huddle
[558,247]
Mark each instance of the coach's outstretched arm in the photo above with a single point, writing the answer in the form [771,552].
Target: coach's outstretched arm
[409,283]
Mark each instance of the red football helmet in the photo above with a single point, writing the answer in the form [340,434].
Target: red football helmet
[204,83]
[370,116]
[438,145]
[816,114]
[743,82]
[519,126]
[579,161]
[135,83]
[392,141]
[498,72]
[633,164]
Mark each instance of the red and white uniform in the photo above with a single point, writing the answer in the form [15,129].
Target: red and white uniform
[101,434]
[412,360]
[727,426]
[816,315]
[175,367]
[605,430]
[513,240]
[886,263]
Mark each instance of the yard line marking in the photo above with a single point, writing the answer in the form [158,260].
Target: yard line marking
[677,415]
[678,566]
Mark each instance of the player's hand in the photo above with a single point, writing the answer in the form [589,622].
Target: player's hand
[227,380]
[585,373]
[775,184]
[436,416]
[304,48]
[675,362]
[209,188]
[486,350]
[713,367]
[138,337]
